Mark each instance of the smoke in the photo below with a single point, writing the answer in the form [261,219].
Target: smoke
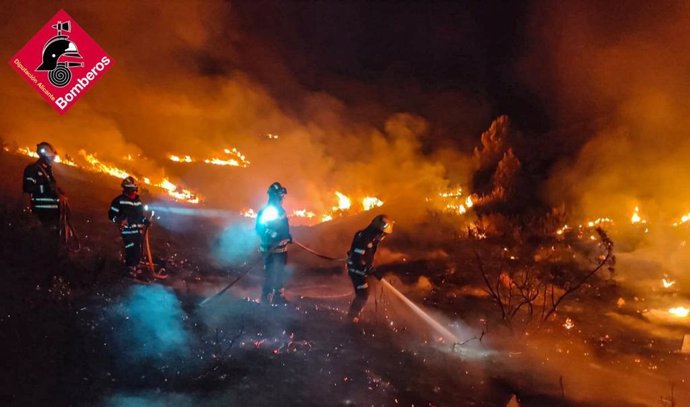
[150,399]
[149,325]
[622,68]
[193,79]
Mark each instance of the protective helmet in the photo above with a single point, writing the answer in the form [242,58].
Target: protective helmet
[383,224]
[130,184]
[277,190]
[45,150]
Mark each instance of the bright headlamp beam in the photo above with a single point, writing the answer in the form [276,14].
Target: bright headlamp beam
[269,214]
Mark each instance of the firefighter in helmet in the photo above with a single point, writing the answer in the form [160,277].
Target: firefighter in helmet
[360,260]
[127,211]
[274,234]
[42,188]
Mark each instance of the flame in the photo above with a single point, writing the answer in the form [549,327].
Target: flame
[344,202]
[237,159]
[452,201]
[303,213]
[218,161]
[249,213]
[27,151]
[371,202]
[680,312]
[177,192]
[178,159]
[98,166]
[457,208]
[326,218]
[599,222]
[636,216]
[562,230]
[685,218]
[451,194]
[667,283]
[568,324]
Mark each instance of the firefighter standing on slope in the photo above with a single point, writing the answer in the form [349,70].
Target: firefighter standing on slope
[360,260]
[42,188]
[127,211]
[274,233]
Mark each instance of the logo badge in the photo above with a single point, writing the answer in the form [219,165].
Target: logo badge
[61,62]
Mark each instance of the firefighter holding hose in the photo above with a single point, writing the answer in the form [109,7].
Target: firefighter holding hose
[274,234]
[41,186]
[360,261]
[127,211]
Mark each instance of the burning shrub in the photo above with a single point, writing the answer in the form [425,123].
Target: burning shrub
[528,292]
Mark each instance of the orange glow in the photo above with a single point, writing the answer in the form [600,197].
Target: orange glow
[680,312]
[303,213]
[599,222]
[685,218]
[344,202]
[371,202]
[249,213]
[96,165]
[635,218]
[236,159]
[667,283]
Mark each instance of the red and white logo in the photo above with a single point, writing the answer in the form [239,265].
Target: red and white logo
[61,62]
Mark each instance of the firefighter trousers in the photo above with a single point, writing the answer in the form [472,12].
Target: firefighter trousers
[359,282]
[274,267]
[132,244]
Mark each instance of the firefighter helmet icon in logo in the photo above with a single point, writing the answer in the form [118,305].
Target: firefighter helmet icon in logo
[61,61]
[57,56]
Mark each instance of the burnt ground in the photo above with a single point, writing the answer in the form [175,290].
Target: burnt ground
[76,332]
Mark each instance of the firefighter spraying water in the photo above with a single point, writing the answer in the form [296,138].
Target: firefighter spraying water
[360,260]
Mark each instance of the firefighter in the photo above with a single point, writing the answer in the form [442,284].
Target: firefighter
[360,260]
[127,211]
[274,234]
[42,188]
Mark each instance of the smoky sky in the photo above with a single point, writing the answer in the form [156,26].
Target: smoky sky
[358,90]
[451,62]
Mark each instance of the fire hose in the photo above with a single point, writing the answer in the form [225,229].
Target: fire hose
[254,264]
[68,234]
[317,254]
[233,282]
[147,248]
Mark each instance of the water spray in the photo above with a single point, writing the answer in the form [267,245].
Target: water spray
[423,315]
[184,211]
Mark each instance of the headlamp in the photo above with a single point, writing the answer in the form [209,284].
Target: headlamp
[270,213]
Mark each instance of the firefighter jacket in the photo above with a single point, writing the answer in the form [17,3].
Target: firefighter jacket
[273,229]
[360,258]
[40,183]
[130,209]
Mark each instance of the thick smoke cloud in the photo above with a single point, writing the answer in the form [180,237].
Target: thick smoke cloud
[190,78]
[622,68]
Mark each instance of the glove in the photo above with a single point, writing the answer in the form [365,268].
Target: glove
[376,273]
[123,223]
